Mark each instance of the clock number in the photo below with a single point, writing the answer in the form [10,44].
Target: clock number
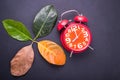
[75,28]
[78,26]
[83,30]
[80,45]
[86,39]
[85,34]
[67,35]
[70,45]
[84,43]
[69,30]
[74,46]
[68,40]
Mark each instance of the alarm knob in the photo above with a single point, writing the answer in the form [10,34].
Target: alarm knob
[80,18]
[62,24]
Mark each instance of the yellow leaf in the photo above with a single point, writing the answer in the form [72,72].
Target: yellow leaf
[52,52]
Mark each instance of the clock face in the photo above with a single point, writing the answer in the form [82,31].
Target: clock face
[76,37]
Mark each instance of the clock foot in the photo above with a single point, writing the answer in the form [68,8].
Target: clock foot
[91,48]
[71,53]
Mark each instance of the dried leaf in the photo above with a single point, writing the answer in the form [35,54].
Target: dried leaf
[52,52]
[22,61]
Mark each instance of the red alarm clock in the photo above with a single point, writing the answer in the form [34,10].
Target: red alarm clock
[75,36]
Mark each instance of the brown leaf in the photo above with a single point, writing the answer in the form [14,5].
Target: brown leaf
[22,61]
[52,52]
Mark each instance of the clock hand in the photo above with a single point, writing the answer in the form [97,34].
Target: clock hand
[75,34]
[79,34]
[76,37]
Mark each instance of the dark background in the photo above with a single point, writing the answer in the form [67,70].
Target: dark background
[101,64]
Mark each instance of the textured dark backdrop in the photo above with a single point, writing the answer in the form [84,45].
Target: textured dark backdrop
[101,64]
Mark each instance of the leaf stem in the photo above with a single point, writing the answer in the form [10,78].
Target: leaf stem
[36,36]
[34,41]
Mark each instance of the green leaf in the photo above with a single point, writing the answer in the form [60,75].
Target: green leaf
[16,30]
[44,21]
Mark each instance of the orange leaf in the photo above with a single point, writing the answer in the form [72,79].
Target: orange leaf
[52,52]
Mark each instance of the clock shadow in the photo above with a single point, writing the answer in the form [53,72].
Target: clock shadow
[84,55]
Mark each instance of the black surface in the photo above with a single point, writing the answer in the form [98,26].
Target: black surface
[101,64]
